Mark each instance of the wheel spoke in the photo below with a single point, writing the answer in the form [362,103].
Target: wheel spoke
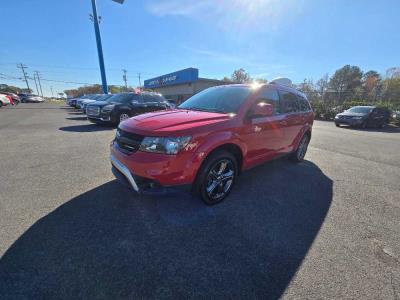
[220,179]
[227,175]
[212,187]
[213,175]
[222,167]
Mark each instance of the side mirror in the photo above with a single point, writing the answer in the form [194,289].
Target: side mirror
[263,110]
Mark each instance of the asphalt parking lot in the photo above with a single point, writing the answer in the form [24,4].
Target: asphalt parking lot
[325,228]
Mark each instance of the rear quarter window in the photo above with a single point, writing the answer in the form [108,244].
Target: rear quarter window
[290,103]
[304,105]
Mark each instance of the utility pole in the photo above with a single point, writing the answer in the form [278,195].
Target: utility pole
[52,95]
[125,79]
[34,78]
[22,67]
[40,85]
[96,22]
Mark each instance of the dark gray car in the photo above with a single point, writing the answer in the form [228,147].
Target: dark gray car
[363,116]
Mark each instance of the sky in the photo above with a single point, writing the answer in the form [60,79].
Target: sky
[297,39]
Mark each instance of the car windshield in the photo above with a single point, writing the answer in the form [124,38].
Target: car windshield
[122,98]
[218,99]
[360,109]
[103,97]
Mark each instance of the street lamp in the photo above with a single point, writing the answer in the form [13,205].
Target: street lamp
[99,46]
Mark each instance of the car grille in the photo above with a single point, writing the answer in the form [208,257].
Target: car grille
[345,117]
[128,142]
[93,111]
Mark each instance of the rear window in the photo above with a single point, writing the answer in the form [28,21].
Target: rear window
[290,103]
[303,104]
[152,98]
[123,98]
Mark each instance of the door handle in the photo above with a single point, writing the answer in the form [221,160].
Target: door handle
[283,123]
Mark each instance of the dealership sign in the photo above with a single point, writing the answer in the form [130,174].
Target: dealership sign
[179,77]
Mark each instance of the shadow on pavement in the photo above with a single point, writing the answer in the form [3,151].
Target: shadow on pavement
[387,129]
[77,118]
[86,128]
[75,112]
[110,243]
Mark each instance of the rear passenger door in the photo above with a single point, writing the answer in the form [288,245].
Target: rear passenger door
[377,117]
[293,121]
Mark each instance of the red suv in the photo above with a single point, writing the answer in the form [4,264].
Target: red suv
[208,140]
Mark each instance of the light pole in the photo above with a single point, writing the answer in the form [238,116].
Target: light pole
[99,46]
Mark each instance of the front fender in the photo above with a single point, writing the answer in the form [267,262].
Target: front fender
[209,143]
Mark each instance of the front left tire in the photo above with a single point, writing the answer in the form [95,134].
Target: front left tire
[216,177]
[122,116]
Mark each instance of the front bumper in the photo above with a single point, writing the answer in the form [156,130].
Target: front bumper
[125,171]
[143,186]
[349,122]
[102,117]
[156,170]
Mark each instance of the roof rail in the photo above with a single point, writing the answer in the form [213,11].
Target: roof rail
[282,81]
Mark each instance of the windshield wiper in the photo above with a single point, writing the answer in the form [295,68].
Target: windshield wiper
[207,109]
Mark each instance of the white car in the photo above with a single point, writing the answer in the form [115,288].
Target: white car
[85,102]
[4,100]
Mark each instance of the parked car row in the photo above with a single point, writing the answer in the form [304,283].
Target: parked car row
[30,98]
[14,99]
[118,107]
[5,100]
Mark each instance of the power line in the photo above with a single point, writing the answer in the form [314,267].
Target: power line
[34,78]
[79,68]
[38,78]
[56,81]
[22,67]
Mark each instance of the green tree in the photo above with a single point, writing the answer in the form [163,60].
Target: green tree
[345,82]
[371,85]
[321,86]
[240,76]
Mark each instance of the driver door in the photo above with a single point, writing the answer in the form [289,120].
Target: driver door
[264,135]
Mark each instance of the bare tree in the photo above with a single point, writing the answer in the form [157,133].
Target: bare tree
[240,76]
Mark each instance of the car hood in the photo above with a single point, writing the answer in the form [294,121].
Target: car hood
[352,114]
[88,101]
[173,121]
[100,103]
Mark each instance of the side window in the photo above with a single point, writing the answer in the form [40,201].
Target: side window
[290,104]
[135,98]
[159,99]
[303,104]
[148,98]
[162,99]
[271,97]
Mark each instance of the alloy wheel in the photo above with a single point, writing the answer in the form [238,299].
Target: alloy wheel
[301,151]
[220,179]
[123,117]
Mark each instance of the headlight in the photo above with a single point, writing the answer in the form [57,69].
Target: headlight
[357,118]
[108,107]
[166,145]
